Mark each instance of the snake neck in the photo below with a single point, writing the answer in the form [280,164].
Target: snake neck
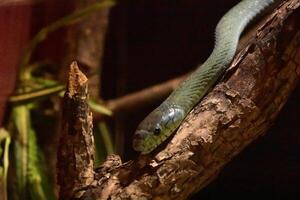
[161,122]
[227,34]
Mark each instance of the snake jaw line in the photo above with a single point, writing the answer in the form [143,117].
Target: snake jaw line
[167,118]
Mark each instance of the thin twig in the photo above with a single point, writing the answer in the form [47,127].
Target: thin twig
[141,98]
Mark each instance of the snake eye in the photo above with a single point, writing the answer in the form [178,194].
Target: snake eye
[157,131]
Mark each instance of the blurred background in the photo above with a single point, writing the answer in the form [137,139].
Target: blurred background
[123,47]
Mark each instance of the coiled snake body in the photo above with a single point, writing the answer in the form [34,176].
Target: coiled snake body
[162,121]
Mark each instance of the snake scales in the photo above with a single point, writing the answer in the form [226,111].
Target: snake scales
[162,121]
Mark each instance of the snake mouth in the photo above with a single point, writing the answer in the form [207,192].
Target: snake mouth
[138,140]
[137,145]
[142,142]
[140,148]
[143,148]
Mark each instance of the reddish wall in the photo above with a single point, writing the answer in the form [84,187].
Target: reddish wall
[14,32]
[18,24]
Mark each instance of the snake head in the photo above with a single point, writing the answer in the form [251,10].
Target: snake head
[156,128]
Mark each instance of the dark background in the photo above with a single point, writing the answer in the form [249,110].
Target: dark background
[149,41]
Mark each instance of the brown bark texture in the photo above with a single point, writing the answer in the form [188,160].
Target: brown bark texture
[236,112]
[75,159]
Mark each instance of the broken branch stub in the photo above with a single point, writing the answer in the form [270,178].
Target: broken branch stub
[75,162]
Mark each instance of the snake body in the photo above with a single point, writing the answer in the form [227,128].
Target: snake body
[162,121]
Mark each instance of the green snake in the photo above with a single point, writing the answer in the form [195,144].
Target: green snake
[166,118]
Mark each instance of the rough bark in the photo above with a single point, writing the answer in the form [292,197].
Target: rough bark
[235,113]
[75,163]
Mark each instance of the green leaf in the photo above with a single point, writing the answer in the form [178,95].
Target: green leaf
[4,154]
[103,143]
[28,157]
[38,184]
[21,128]
[32,95]
[99,108]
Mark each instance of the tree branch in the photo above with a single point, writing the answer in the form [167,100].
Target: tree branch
[235,113]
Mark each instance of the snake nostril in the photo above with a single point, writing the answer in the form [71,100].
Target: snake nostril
[139,135]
